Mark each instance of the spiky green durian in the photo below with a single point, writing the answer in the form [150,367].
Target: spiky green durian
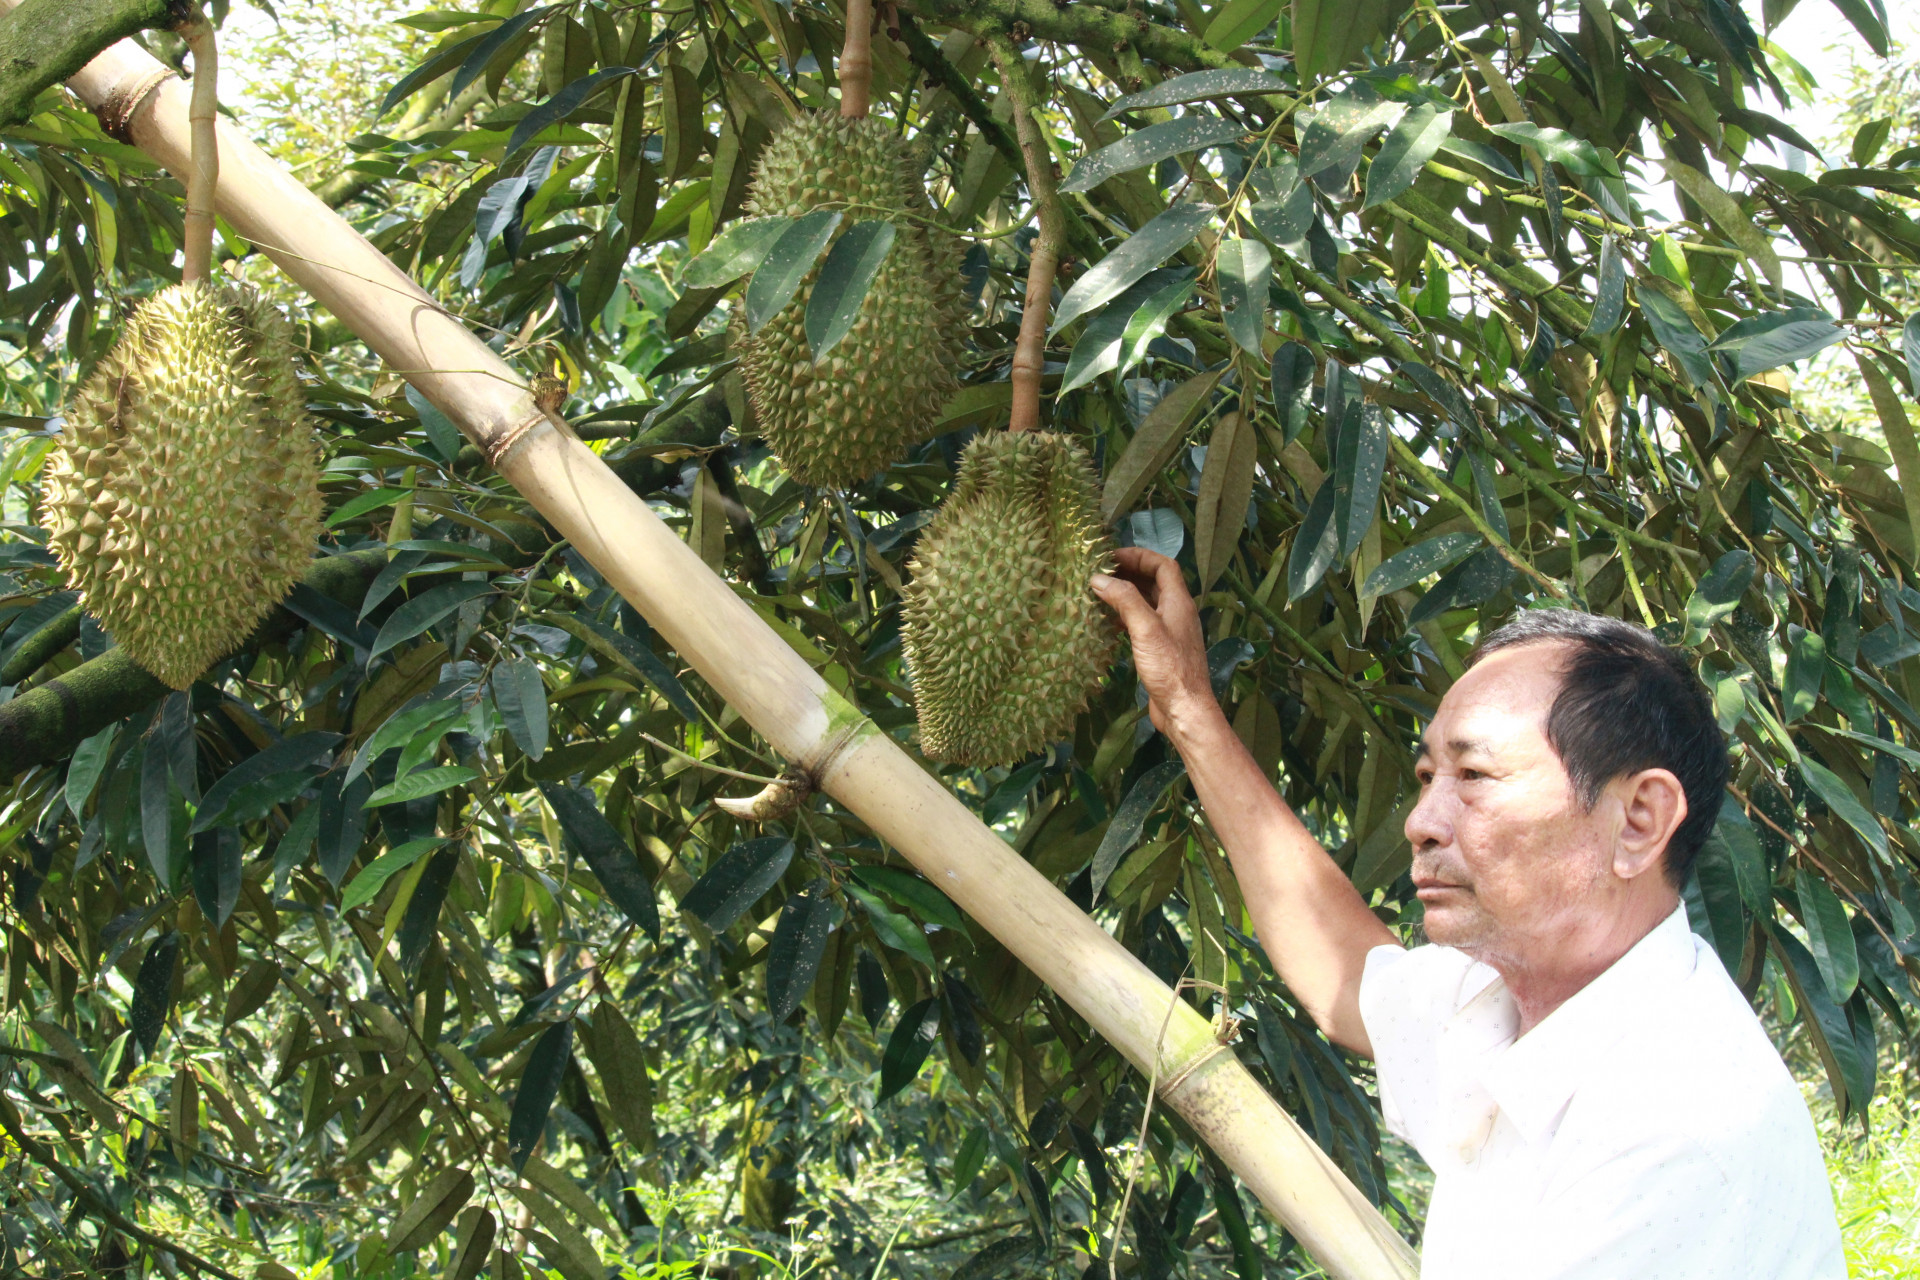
[1004,639]
[183,499]
[876,393]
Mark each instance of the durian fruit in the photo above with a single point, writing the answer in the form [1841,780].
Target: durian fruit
[1004,639]
[183,499]
[876,393]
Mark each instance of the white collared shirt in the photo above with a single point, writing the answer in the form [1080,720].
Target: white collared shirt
[1644,1130]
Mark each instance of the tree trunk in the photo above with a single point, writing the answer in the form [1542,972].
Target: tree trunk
[798,714]
[43,42]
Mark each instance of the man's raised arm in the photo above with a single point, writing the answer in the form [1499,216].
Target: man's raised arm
[1309,918]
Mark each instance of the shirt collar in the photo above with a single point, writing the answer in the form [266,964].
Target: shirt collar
[1533,1079]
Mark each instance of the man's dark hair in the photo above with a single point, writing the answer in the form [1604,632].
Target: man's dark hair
[1628,702]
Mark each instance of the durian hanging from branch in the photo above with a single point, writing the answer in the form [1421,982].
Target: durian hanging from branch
[847,359]
[183,499]
[1004,639]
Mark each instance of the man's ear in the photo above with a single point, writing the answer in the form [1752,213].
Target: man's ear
[1653,804]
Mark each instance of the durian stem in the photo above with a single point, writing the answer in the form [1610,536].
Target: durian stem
[856,61]
[1030,349]
[204,172]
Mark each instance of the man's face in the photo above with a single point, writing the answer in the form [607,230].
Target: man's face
[1506,859]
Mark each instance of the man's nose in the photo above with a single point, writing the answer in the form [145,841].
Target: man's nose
[1429,824]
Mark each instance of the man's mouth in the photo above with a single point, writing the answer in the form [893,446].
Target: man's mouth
[1428,888]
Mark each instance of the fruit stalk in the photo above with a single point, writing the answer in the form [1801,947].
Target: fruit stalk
[856,61]
[1030,348]
[203,174]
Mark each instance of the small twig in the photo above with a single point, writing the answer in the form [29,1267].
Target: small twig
[1030,349]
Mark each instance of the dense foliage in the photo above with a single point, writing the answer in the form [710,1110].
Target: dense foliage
[411,938]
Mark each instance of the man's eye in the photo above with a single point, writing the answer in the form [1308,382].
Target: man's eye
[1424,777]
[1471,775]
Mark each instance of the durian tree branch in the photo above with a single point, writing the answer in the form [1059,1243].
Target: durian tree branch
[38,650]
[799,715]
[1076,24]
[856,61]
[1030,349]
[45,41]
[47,722]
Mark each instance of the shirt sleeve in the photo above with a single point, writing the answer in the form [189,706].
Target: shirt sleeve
[1405,999]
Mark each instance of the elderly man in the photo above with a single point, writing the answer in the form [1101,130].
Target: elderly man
[1594,1096]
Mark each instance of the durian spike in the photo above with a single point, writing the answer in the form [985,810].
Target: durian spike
[856,61]
[204,173]
[1030,349]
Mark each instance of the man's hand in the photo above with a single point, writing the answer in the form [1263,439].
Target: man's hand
[1168,650]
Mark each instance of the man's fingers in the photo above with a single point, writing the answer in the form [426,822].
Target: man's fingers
[1125,599]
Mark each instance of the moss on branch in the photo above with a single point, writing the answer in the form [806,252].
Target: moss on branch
[45,41]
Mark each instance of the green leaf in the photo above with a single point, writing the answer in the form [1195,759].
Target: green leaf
[539,1085]
[799,941]
[1717,595]
[88,763]
[360,505]
[1243,269]
[1151,320]
[1726,214]
[1675,331]
[1825,920]
[1153,445]
[1570,150]
[365,886]
[908,1047]
[1473,581]
[1003,1258]
[435,66]
[786,264]
[1481,154]
[738,249]
[1716,891]
[898,931]
[495,41]
[1846,806]
[235,799]
[1768,341]
[1197,86]
[428,720]
[422,782]
[562,105]
[1847,1070]
[1098,348]
[1284,211]
[739,879]
[841,288]
[1360,464]
[1610,293]
[1806,670]
[1910,347]
[635,656]
[1155,142]
[1123,833]
[1239,21]
[1416,563]
[1292,376]
[1870,20]
[1413,142]
[521,697]
[1334,137]
[1735,832]
[913,891]
[153,991]
[613,863]
[1316,544]
[213,860]
[424,610]
[1138,254]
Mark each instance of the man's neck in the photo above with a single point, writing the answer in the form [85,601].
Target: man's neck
[1546,976]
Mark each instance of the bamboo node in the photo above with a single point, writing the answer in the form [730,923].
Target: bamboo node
[1168,1086]
[499,446]
[116,111]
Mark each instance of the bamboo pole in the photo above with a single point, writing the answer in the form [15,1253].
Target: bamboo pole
[798,714]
